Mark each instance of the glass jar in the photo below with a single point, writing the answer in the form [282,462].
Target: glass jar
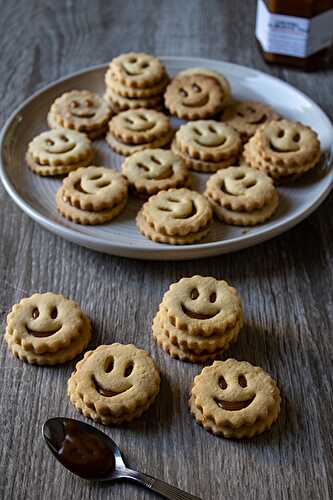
[297,32]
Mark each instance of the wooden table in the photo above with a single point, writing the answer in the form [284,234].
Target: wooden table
[285,284]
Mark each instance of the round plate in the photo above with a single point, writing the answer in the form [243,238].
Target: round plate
[36,195]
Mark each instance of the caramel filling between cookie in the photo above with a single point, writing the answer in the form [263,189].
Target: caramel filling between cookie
[46,333]
[233,405]
[106,392]
[195,315]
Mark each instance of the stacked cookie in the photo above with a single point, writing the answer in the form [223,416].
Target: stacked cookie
[92,195]
[47,329]
[58,152]
[284,149]
[138,129]
[135,80]
[80,110]
[195,96]
[198,318]
[153,170]
[207,145]
[176,216]
[247,116]
[242,196]
[114,383]
[234,399]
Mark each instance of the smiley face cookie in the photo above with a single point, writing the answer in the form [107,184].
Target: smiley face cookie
[137,70]
[92,195]
[234,399]
[283,149]
[175,216]
[247,117]
[135,130]
[198,318]
[194,97]
[58,151]
[80,110]
[242,196]
[153,170]
[114,383]
[47,329]
[223,82]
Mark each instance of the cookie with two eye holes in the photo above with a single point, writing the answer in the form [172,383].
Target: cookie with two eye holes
[247,116]
[114,383]
[92,195]
[198,318]
[175,216]
[234,399]
[284,149]
[135,130]
[59,151]
[223,82]
[47,329]
[242,195]
[207,145]
[193,97]
[80,110]
[153,170]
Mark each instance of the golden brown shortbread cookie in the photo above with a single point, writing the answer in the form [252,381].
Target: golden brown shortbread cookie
[202,305]
[125,103]
[87,217]
[234,399]
[240,188]
[201,165]
[194,97]
[139,126]
[208,140]
[241,218]
[153,170]
[53,171]
[149,232]
[115,382]
[80,110]
[247,117]
[137,69]
[133,92]
[47,329]
[95,188]
[224,84]
[59,147]
[177,211]
[124,149]
[285,143]
[278,173]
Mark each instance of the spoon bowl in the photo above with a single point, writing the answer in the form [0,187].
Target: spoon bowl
[93,455]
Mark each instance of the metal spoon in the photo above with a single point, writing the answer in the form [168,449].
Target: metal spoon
[91,454]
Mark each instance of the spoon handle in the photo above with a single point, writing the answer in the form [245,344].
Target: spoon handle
[164,489]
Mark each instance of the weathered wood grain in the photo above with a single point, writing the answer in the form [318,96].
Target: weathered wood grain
[286,284]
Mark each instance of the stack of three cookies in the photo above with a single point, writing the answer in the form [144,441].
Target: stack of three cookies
[207,145]
[198,318]
[135,80]
[138,129]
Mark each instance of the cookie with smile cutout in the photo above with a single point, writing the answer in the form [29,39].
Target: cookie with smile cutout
[153,170]
[114,383]
[137,70]
[234,399]
[80,110]
[193,97]
[47,329]
[202,305]
[58,152]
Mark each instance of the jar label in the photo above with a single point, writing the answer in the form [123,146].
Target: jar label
[291,35]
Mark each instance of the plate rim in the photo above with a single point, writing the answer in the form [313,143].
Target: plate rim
[179,251]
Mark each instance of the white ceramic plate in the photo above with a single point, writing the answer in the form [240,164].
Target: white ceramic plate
[36,195]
